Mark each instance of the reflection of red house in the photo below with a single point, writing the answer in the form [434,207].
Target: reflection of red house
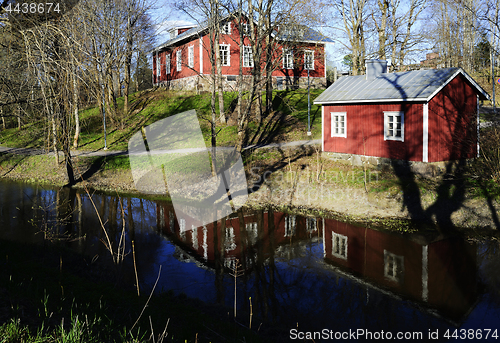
[442,274]
[261,236]
[423,115]
[183,61]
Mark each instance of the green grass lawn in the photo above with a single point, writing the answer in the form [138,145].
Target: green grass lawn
[149,107]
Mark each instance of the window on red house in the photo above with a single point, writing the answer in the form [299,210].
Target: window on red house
[179,60]
[247,57]
[224,54]
[287,59]
[309,60]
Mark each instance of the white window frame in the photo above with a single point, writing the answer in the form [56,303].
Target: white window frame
[230,239]
[167,64]
[246,29]
[337,249]
[312,60]
[191,56]
[248,54]
[287,58]
[225,48]
[391,264]
[226,28]
[311,224]
[335,129]
[290,226]
[178,60]
[393,137]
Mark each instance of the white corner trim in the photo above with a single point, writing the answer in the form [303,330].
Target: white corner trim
[323,128]
[324,59]
[425,130]
[201,55]
[477,116]
[158,68]
[324,239]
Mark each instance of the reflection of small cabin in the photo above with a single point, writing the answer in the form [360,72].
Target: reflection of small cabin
[422,115]
[441,274]
[261,236]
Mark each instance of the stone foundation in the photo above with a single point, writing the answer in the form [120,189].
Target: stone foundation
[426,169]
[230,83]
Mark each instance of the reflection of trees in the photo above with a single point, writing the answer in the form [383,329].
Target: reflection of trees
[489,259]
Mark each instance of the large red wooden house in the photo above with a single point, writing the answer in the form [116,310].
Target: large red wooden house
[183,61]
[423,115]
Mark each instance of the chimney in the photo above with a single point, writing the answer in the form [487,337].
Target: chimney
[375,68]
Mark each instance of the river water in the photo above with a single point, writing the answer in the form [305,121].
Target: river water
[304,274]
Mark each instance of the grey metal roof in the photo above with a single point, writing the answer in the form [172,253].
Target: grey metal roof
[418,85]
[191,32]
[308,36]
[304,34]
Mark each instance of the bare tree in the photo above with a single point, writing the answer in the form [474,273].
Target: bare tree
[354,16]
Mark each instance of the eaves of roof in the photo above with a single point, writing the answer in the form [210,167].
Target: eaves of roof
[312,36]
[420,85]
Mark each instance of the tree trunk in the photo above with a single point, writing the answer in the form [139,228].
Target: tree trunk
[3,118]
[75,111]
[66,146]
[18,117]
[218,63]
[54,138]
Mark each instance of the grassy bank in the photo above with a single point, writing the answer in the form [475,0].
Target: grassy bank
[50,294]
[289,110]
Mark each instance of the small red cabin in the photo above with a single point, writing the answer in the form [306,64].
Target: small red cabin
[422,115]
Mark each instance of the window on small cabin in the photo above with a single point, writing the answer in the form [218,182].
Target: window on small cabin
[394,126]
[178,57]
[339,246]
[226,28]
[287,59]
[191,57]
[393,266]
[339,128]
[167,64]
[309,60]
[247,57]
[224,54]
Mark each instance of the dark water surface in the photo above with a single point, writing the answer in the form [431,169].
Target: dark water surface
[307,274]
